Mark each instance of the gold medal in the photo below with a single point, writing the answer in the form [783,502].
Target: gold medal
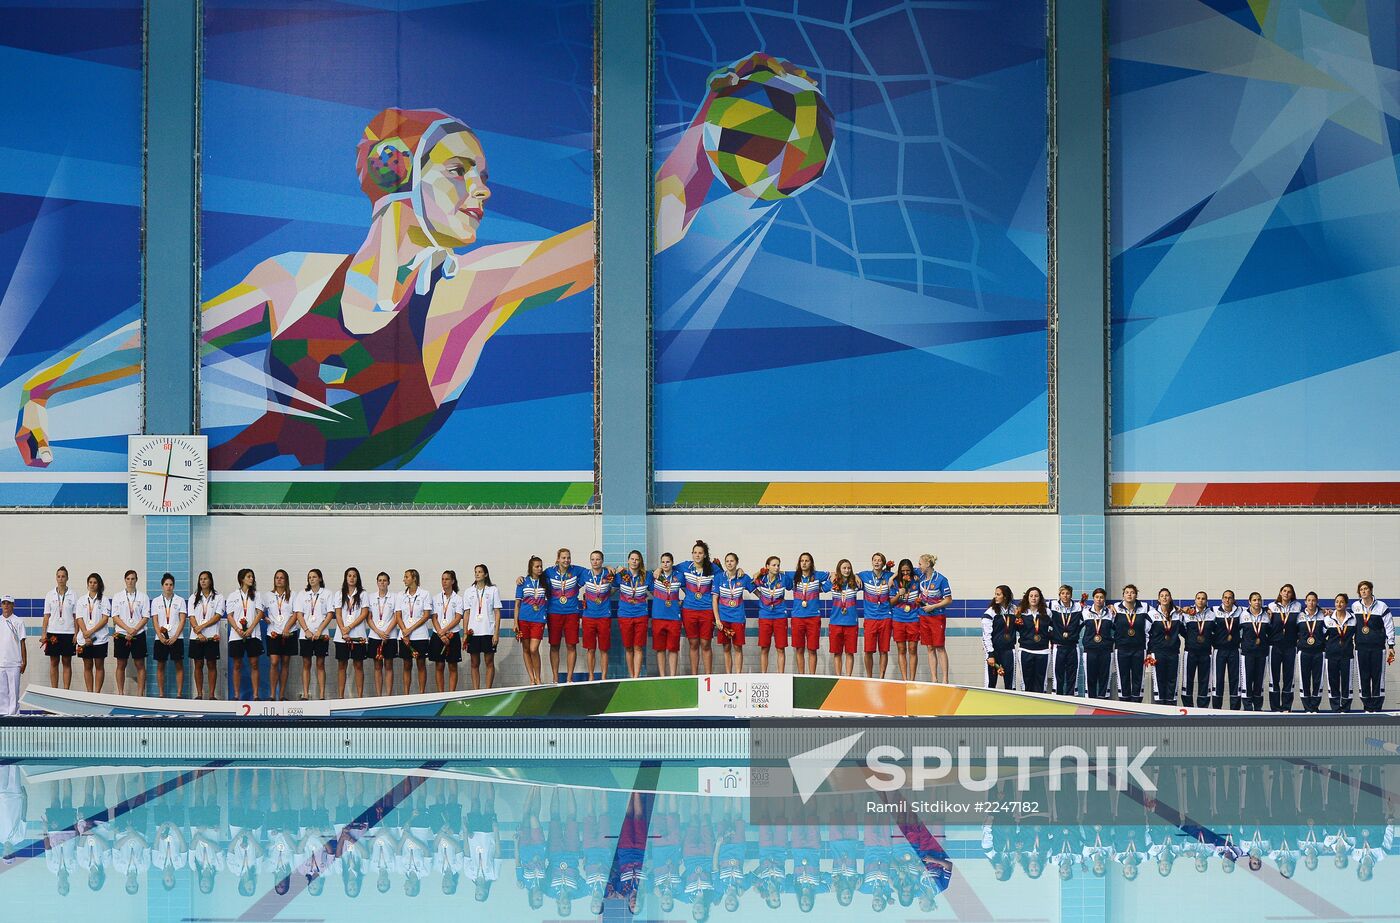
[1312,640]
[1098,638]
[1365,629]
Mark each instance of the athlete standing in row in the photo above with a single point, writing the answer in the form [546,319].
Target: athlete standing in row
[936,595]
[808,584]
[667,590]
[564,580]
[531,616]
[633,601]
[772,588]
[875,592]
[697,606]
[131,613]
[1375,644]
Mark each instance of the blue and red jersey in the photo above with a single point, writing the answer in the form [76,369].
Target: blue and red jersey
[933,587]
[877,593]
[633,593]
[907,609]
[596,591]
[844,609]
[564,588]
[531,600]
[729,593]
[807,594]
[771,590]
[699,588]
[666,597]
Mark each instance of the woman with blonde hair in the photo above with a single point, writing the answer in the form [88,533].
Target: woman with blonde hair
[936,595]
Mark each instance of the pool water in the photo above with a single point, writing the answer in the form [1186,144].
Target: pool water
[1218,839]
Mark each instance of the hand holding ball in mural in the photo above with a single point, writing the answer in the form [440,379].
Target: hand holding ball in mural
[767,128]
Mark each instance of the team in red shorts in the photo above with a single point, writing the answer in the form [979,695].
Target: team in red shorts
[705,599]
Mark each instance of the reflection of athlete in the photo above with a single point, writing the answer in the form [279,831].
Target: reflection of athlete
[368,352]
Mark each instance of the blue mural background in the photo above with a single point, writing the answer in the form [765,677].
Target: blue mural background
[889,322]
[70,243]
[288,91]
[1256,209]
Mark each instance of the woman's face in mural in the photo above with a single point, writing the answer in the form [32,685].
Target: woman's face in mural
[454,189]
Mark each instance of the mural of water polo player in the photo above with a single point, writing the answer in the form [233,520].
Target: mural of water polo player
[369,351]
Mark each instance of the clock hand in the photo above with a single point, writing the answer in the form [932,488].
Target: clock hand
[169,460]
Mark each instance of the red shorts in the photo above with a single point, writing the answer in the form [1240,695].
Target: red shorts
[772,631]
[877,636]
[563,626]
[525,630]
[665,634]
[733,635]
[932,628]
[806,632]
[597,634]
[634,631]
[698,624]
[841,639]
[905,632]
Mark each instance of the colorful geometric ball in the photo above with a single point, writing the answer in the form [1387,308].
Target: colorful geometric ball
[769,135]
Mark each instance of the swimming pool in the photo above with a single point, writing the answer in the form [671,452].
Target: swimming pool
[664,839]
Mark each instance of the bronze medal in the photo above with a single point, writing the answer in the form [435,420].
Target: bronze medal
[1037,637]
[1311,640]
[1098,638]
[1365,629]
[1131,632]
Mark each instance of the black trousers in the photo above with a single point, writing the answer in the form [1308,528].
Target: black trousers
[1195,685]
[1096,667]
[1256,663]
[1370,665]
[1007,661]
[1066,669]
[1310,665]
[1282,664]
[1339,682]
[1227,676]
[1033,671]
[1129,675]
[1164,675]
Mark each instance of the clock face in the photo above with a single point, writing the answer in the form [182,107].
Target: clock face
[167,475]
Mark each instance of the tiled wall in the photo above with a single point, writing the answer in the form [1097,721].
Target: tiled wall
[1326,552]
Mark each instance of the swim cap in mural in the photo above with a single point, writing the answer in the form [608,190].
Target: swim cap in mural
[768,134]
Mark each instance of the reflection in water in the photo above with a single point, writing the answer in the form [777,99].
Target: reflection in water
[230,840]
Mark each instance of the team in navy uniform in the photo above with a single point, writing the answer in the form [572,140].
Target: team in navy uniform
[1164,648]
[1226,623]
[1312,656]
[1130,626]
[1098,621]
[1033,638]
[1341,652]
[1283,647]
[1066,624]
[1197,630]
[999,639]
[1375,643]
[1255,638]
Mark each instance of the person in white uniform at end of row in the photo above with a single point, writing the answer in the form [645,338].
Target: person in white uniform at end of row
[13,657]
